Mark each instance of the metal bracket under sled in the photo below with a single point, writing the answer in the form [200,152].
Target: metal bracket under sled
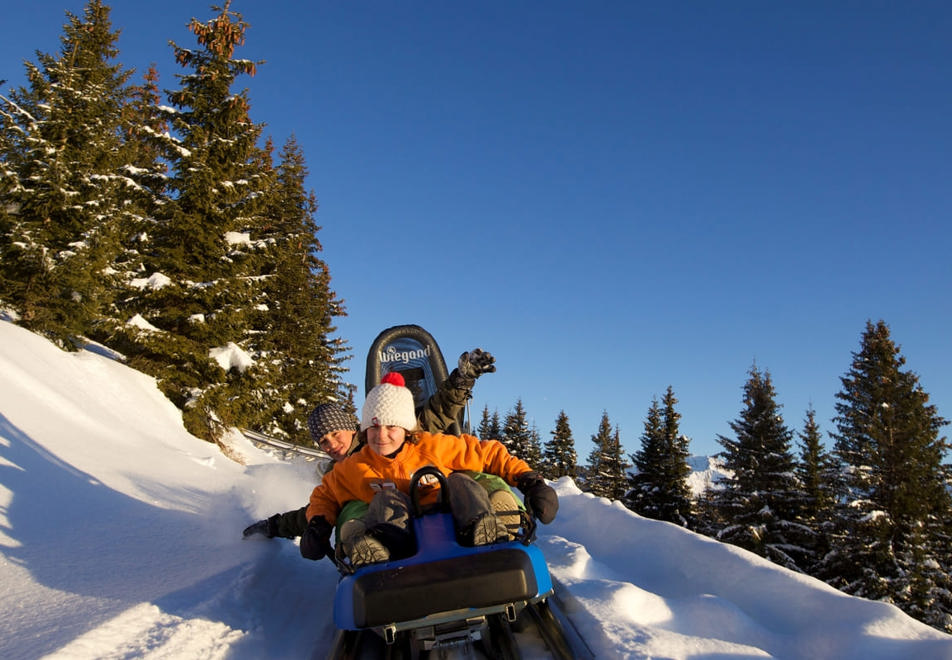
[445,628]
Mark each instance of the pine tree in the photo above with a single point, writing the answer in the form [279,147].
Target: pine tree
[145,138]
[516,435]
[144,135]
[761,502]
[616,468]
[297,361]
[678,509]
[594,483]
[815,471]
[489,427]
[534,455]
[65,181]
[894,508]
[204,267]
[606,465]
[648,462]
[559,457]
[660,489]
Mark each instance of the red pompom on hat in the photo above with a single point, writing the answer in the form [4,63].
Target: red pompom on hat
[389,404]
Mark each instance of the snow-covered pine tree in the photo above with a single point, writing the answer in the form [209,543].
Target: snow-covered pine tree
[606,465]
[145,134]
[894,505]
[617,468]
[679,507]
[761,501]
[65,181]
[660,489]
[515,433]
[647,461]
[489,427]
[534,457]
[816,473]
[558,457]
[203,270]
[596,481]
[815,469]
[298,363]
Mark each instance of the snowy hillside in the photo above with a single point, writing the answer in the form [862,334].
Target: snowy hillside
[120,537]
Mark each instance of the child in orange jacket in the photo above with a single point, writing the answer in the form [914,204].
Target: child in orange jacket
[380,472]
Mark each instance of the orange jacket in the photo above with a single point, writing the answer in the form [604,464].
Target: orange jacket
[361,475]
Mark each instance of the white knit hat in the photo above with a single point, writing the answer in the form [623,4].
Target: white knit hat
[389,404]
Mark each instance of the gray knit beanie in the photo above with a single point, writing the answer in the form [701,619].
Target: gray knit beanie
[329,417]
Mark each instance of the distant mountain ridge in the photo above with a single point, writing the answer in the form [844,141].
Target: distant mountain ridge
[706,471]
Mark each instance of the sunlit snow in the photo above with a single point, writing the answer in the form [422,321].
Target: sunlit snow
[120,537]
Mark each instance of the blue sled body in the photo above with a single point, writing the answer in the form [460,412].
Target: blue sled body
[442,582]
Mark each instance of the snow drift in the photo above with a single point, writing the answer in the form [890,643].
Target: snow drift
[120,537]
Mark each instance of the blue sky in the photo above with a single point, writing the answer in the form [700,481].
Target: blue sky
[611,197]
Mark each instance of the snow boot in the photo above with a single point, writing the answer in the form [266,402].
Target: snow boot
[506,509]
[365,549]
[489,528]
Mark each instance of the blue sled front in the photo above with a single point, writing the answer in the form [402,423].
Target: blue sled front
[442,582]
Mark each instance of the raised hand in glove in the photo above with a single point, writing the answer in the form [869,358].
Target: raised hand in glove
[316,540]
[262,527]
[475,363]
[541,499]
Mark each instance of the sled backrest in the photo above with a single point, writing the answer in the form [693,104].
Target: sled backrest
[413,353]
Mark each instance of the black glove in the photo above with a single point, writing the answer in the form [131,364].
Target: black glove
[541,499]
[267,528]
[475,363]
[316,540]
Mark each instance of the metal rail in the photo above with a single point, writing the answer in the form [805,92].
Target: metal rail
[316,454]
